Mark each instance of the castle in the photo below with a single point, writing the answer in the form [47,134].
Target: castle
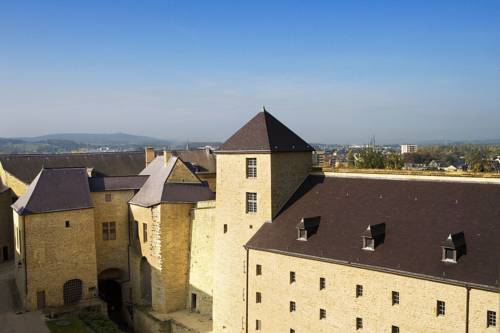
[251,239]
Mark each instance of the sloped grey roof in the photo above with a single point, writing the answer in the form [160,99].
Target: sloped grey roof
[55,190]
[101,184]
[25,167]
[156,189]
[265,133]
[419,216]
[198,161]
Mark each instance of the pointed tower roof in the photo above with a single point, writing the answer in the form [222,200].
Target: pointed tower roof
[264,133]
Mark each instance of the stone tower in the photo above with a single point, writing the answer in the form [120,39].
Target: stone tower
[258,169]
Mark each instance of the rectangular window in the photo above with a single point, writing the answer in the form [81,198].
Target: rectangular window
[105,231]
[136,230]
[107,197]
[359,290]
[258,297]
[258,325]
[144,232]
[449,254]
[394,329]
[322,283]
[292,277]
[292,330]
[251,202]
[108,231]
[258,270]
[359,323]
[491,319]
[322,314]
[441,308]
[251,167]
[112,230]
[66,223]
[292,306]
[225,228]
[395,298]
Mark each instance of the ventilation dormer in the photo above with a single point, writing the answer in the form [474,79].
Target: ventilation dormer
[453,247]
[307,227]
[373,236]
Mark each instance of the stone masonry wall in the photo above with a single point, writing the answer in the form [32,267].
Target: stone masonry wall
[56,253]
[112,253]
[416,312]
[201,269]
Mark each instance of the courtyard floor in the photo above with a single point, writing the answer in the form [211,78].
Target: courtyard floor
[9,305]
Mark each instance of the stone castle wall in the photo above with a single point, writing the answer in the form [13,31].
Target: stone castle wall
[415,313]
[56,253]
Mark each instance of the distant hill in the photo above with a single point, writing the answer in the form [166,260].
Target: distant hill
[99,139]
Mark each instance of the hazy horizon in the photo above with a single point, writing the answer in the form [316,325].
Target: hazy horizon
[332,72]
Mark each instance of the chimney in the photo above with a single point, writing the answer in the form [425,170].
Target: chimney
[149,152]
[167,154]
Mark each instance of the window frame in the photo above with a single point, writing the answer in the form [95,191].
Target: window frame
[322,283]
[359,323]
[293,306]
[108,197]
[109,231]
[440,308]
[359,290]
[251,167]
[258,297]
[322,314]
[251,202]
[394,329]
[293,277]
[395,298]
[491,318]
[258,269]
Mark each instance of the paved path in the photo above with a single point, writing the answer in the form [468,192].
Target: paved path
[10,322]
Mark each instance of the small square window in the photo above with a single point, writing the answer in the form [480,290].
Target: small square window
[107,197]
[251,167]
[322,314]
[258,325]
[292,277]
[395,298]
[225,228]
[359,323]
[251,203]
[394,329]
[258,297]
[66,223]
[322,283]
[292,306]
[258,269]
[359,290]
[491,319]
[441,308]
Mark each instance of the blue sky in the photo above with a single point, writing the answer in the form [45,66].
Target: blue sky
[334,71]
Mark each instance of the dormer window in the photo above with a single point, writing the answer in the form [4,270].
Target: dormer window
[373,236]
[307,227]
[453,247]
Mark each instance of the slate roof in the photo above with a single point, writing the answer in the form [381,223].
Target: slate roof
[55,190]
[418,217]
[265,133]
[157,190]
[101,184]
[25,167]
[198,161]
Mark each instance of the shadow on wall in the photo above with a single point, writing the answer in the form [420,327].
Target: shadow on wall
[199,301]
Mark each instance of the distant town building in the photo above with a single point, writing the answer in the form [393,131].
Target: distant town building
[408,149]
[318,158]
